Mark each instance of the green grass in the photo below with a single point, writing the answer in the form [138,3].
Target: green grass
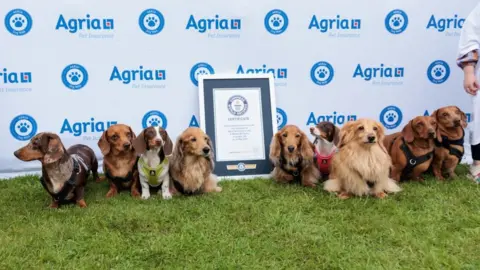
[252,224]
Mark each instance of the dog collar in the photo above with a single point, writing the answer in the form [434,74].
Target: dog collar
[68,186]
[447,143]
[153,173]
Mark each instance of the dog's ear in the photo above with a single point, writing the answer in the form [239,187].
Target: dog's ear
[336,135]
[103,144]
[346,134]
[275,148]
[52,147]
[139,143]
[407,132]
[463,117]
[177,154]
[133,135]
[168,144]
[306,149]
[212,155]
[435,114]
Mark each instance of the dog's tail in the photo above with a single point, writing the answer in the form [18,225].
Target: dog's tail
[332,185]
[392,187]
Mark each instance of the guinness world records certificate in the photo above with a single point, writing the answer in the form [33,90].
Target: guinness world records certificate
[238,113]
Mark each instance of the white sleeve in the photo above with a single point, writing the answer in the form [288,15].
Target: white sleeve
[470,34]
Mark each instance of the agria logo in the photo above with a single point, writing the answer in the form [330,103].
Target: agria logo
[139,77]
[281,118]
[155,119]
[91,129]
[337,27]
[396,21]
[450,26]
[23,127]
[321,73]
[335,118]
[391,117]
[200,69]
[87,27]
[438,72]
[11,81]
[151,21]
[216,26]
[280,74]
[74,76]
[276,22]
[380,75]
[18,22]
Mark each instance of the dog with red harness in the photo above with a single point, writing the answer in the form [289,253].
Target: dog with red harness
[326,140]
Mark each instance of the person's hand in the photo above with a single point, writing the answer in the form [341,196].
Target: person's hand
[470,83]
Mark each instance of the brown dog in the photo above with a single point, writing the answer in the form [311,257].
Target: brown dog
[292,155]
[412,149]
[64,171]
[120,159]
[326,140]
[192,163]
[449,148]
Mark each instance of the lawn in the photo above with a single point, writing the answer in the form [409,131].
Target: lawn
[252,224]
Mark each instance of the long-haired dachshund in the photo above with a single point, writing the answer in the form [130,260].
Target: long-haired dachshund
[291,153]
[192,163]
[412,149]
[449,148]
[120,159]
[362,164]
[64,171]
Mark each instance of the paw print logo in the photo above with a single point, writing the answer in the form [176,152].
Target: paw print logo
[396,21]
[438,72]
[200,69]
[321,73]
[151,21]
[391,117]
[23,127]
[18,22]
[276,21]
[281,118]
[74,76]
[155,119]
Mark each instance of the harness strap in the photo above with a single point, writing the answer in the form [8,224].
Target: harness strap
[127,178]
[153,173]
[68,186]
[412,160]
[323,162]
[446,143]
[297,178]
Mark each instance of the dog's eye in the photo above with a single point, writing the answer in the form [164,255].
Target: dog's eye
[206,139]
[361,128]
[445,114]
[114,137]
[284,135]
[375,128]
[194,139]
[297,135]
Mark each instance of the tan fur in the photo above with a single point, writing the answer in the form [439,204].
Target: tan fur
[419,134]
[360,160]
[189,164]
[451,122]
[292,136]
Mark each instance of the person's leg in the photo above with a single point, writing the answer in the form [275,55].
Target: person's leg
[475,139]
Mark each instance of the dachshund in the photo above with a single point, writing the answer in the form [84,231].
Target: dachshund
[326,136]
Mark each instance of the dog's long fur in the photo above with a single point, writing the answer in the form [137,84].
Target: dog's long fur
[451,122]
[154,146]
[361,159]
[120,159]
[192,163]
[418,134]
[298,160]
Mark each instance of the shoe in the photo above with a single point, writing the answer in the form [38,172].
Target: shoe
[474,173]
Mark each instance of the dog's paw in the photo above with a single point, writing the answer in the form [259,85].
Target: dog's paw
[81,203]
[111,193]
[145,196]
[381,195]
[53,205]
[343,195]
[135,194]
[218,189]
[166,195]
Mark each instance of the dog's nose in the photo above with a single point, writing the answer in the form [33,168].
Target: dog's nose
[371,138]
[291,148]
[311,129]
[126,146]
[431,133]
[206,150]
[15,154]
[456,123]
[158,141]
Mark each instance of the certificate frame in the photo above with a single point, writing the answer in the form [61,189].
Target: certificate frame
[239,168]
